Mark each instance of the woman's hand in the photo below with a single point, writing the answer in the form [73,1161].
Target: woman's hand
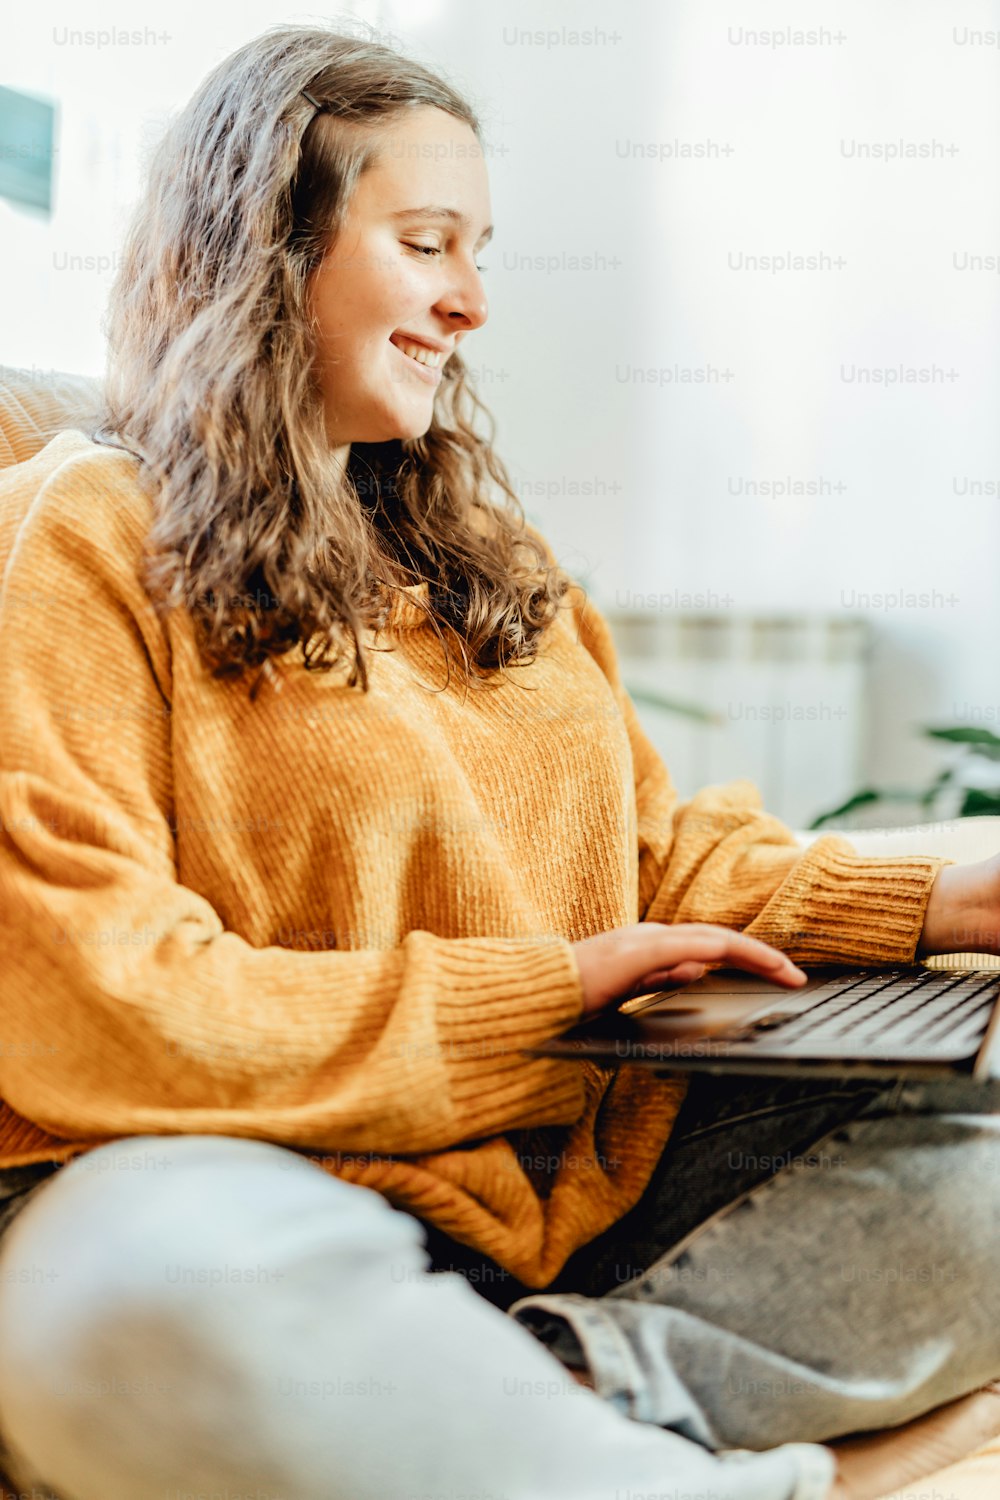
[963,910]
[647,956]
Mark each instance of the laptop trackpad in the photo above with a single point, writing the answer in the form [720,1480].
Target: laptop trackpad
[722,1002]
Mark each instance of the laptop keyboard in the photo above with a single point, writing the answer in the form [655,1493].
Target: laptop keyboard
[895,1010]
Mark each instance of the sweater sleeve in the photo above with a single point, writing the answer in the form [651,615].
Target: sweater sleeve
[720,857]
[128,1008]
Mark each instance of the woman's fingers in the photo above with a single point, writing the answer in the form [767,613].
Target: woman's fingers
[711,944]
[636,959]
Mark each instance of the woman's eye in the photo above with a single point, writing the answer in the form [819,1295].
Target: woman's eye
[432,250]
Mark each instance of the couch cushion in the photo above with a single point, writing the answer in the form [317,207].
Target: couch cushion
[35,405]
[974,1478]
[961,1439]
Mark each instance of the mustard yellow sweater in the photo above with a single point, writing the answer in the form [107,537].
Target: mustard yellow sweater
[333,920]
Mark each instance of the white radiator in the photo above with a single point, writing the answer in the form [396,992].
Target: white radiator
[787,694]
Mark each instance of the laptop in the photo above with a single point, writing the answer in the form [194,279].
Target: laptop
[883,1022]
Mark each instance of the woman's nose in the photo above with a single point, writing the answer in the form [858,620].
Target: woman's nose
[465,305]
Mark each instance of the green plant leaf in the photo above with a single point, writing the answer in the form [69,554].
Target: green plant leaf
[864,799]
[860,799]
[979,741]
[977,804]
[672,706]
[938,784]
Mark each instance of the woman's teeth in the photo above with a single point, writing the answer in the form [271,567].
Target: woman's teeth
[424,356]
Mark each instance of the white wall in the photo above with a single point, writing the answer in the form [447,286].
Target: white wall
[114,98]
[680,143]
[632,480]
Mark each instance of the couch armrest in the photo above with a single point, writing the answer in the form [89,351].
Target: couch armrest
[964,840]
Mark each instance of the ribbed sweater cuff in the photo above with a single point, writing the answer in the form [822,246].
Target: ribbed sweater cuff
[837,906]
[497,997]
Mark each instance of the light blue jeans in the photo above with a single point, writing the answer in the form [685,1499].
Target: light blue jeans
[816,1284]
[207,1318]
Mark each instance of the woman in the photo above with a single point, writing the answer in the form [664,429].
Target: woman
[322,801]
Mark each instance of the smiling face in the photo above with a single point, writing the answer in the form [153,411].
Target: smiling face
[400,288]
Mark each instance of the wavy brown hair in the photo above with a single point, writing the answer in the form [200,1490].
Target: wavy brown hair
[256,531]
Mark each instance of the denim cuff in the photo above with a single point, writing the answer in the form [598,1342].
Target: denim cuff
[577,1329]
[817,1470]
[816,1467]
